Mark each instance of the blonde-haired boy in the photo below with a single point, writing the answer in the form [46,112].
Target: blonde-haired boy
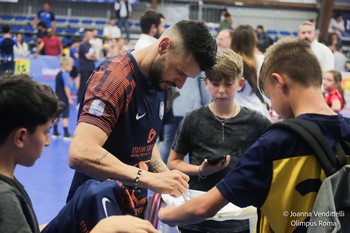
[62,90]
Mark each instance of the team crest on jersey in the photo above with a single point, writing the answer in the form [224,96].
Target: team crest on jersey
[161,110]
[97,107]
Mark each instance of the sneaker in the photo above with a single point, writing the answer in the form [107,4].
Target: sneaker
[67,137]
[56,135]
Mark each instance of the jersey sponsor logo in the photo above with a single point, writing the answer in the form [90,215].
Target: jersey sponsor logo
[104,201]
[161,110]
[97,107]
[152,134]
[138,117]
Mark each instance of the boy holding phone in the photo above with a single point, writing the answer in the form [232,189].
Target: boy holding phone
[210,132]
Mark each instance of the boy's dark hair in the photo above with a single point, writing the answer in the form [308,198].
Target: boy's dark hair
[198,40]
[25,103]
[149,18]
[6,28]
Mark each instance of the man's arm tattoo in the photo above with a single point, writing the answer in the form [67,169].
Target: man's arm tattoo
[156,166]
[98,160]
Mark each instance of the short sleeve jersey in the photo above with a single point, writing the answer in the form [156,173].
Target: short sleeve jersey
[62,81]
[122,102]
[280,175]
[46,17]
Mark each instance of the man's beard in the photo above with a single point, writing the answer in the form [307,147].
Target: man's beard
[307,40]
[155,73]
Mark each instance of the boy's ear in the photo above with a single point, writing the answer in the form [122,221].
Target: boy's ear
[241,82]
[206,83]
[19,137]
[280,81]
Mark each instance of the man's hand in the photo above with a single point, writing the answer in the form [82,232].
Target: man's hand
[172,182]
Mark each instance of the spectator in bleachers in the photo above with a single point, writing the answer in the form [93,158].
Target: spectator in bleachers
[97,44]
[336,24]
[334,42]
[224,38]
[263,39]
[111,30]
[123,12]
[118,45]
[51,44]
[244,43]
[87,58]
[45,15]
[22,48]
[40,34]
[323,53]
[74,54]
[227,22]
[317,31]
[7,57]
[152,26]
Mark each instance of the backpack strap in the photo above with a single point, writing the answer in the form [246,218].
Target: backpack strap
[329,160]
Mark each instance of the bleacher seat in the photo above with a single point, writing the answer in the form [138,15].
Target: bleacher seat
[16,28]
[30,18]
[29,29]
[7,17]
[285,33]
[20,19]
[87,22]
[101,22]
[66,41]
[73,21]
[272,32]
[295,33]
[71,31]
[59,30]
[61,21]
[26,39]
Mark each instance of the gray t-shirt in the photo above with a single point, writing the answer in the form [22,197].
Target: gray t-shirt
[16,211]
[200,135]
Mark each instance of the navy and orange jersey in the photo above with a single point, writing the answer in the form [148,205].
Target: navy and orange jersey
[280,175]
[123,102]
[94,200]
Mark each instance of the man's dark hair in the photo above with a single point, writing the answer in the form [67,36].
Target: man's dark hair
[198,40]
[6,28]
[149,18]
[25,103]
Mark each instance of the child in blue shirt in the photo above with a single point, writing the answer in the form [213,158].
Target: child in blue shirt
[63,92]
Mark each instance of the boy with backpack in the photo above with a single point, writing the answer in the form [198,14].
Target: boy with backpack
[279,173]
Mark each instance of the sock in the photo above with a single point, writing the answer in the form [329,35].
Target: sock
[65,129]
[55,131]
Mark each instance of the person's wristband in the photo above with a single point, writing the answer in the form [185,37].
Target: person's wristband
[136,181]
[200,176]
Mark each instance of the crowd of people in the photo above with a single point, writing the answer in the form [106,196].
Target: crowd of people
[134,128]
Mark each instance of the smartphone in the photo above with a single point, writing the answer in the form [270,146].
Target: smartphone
[214,160]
